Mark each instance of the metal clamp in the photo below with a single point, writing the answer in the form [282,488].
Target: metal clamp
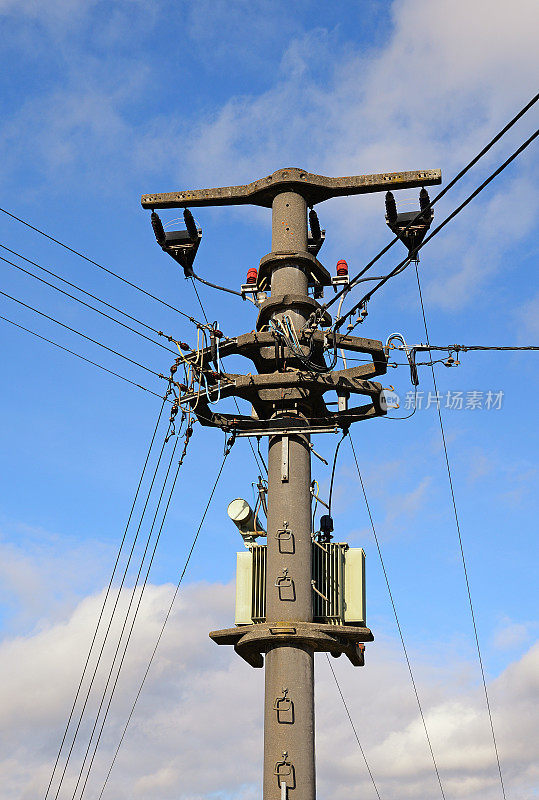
[285,538]
[285,585]
[284,708]
[285,769]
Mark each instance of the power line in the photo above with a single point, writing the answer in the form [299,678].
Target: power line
[80,289]
[102,611]
[169,611]
[441,194]
[109,625]
[461,547]
[235,400]
[126,619]
[397,620]
[78,355]
[180,462]
[442,225]
[100,266]
[73,330]
[353,728]
[82,302]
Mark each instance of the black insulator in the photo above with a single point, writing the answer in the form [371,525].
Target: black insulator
[158,229]
[424,199]
[391,207]
[190,224]
[314,225]
[326,527]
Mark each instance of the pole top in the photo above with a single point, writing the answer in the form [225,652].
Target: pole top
[314,188]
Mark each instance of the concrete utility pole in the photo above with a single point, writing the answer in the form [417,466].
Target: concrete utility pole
[287,398]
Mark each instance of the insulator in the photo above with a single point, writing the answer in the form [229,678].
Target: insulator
[184,345]
[190,224]
[173,369]
[252,275]
[342,268]
[158,229]
[314,225]
[391,207]
[424,199]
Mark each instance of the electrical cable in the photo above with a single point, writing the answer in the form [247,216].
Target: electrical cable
[80,289]
[73,330]
[401,636]
[353,728]
[106,597]
[169,611]
[100,655]
[461,546]
[82,302]
[330,497]
[439,196]
[83,358]
[188,435]
[215,285]
[100,266]
[234,398]
[436,230]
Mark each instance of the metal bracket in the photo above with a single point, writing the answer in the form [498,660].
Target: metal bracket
[284,459]
[285,539]
[284,707]
[285,769]
[285,586]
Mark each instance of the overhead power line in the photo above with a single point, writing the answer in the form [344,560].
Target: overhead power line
[79,333]
[80,289]
[83,302]
[439,196]
[353,727]
[442,225]
[83,358]
[168,613]
[107,593]
[461,546]
[111,619]
[393,606]
[99,266]
[135,614]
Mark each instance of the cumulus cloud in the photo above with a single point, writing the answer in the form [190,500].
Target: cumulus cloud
[197,730]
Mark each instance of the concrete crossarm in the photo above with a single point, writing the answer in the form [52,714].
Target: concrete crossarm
[314,188]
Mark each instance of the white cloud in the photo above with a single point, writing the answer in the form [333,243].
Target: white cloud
[198,728]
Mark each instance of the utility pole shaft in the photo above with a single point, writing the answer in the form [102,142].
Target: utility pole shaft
[289,667]
[288,406]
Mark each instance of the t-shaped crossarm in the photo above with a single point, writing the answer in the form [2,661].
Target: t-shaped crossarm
[314,188]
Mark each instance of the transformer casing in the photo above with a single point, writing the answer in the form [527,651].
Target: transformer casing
[338,572]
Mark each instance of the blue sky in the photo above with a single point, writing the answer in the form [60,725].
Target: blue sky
[105,101]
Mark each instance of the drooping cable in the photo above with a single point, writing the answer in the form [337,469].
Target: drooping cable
[80,289]
[401,636]
[168,613]
[99,266]
[353,727]
[78,355]
[441,194]
[79,333]
[111,619]
[330,496]
[436,230]
[107,593]
[461,546]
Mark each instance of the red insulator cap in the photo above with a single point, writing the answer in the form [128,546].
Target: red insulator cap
[252,275]
[342,267]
